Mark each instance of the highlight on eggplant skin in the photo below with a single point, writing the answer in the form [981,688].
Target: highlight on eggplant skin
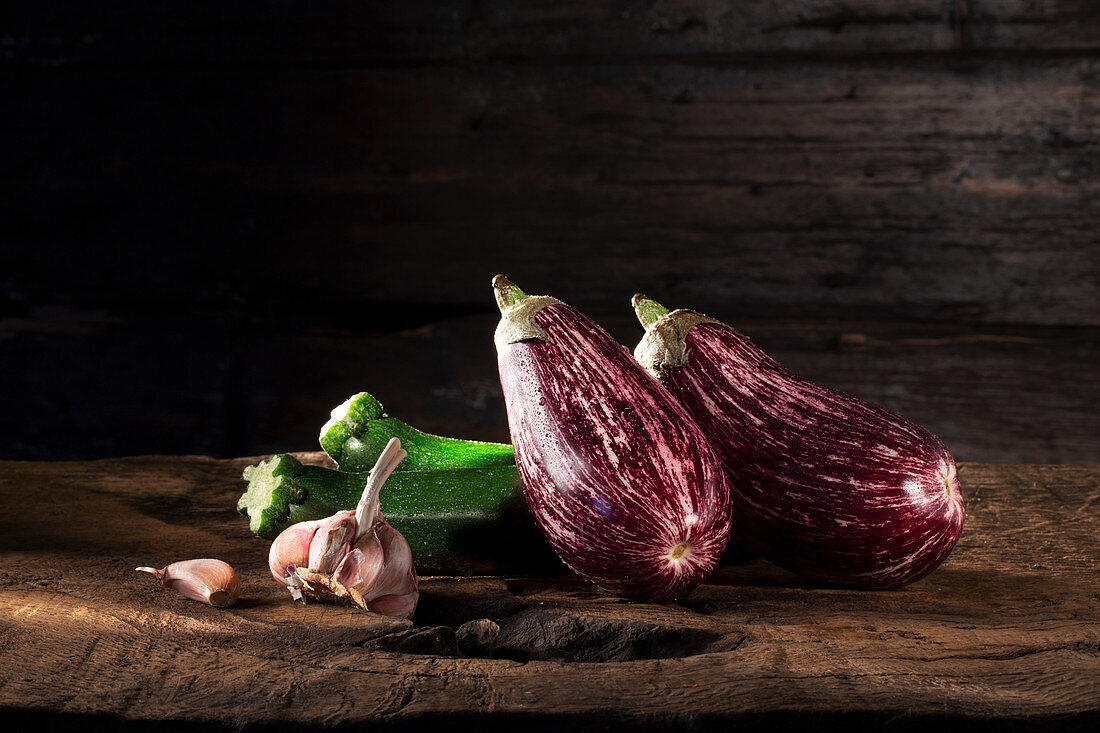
[824,484]
[620,480]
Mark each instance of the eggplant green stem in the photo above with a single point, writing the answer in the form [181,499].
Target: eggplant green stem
[507,292]
[649,311]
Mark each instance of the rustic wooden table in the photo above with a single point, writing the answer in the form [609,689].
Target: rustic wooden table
[1005,635]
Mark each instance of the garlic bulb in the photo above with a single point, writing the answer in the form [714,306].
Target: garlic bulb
[206,580]
[352,557]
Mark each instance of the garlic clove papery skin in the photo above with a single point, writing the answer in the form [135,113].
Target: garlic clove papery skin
[398,576]
[395,606]
[332,542]
[380,568]
[362,565]
[205,580]
[291,549]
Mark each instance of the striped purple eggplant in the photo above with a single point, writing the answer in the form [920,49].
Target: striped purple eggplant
[618,477]
[825,484]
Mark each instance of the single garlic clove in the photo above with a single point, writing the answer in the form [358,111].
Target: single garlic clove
[206,580]
[363,564]
[398,576]
[395,606]
[291,549]
[332,541]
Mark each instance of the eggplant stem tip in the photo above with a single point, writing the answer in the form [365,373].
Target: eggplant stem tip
[648,310]
[507,292]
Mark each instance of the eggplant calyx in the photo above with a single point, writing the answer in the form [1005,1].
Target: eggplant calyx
[663,347]
[517,313]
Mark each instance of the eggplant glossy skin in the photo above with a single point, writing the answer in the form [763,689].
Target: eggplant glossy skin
[619,479]
[824,484]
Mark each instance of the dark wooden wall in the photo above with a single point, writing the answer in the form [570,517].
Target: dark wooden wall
[219,220]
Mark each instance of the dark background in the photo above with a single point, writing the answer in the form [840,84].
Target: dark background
[220,220]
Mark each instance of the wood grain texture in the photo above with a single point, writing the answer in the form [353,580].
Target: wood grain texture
[1006,635]
[352,33]
[921,190]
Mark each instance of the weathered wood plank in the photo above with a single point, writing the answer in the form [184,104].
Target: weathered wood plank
[211,386]
[1006,634]
[355,33]
[919,190]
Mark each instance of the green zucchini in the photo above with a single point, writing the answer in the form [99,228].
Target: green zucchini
[457,521]
[359,429]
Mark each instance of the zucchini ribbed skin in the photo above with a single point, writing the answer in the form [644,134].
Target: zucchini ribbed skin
[825,484]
